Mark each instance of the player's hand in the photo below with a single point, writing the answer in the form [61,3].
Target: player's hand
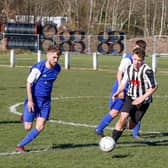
[121,95]
[30,105]
[137,101]
[115,95]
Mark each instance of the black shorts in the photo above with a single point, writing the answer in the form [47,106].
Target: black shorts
[135,112]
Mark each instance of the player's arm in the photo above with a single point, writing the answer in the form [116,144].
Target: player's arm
[119,78]
[152,88]
[121,87]
[125,62]
[142,98]
[30,97]
[121,69]
[33,76]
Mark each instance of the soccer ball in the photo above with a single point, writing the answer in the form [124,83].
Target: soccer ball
[107,144]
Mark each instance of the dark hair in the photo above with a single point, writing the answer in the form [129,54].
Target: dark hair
[141,43]
[139,52]
[54,48]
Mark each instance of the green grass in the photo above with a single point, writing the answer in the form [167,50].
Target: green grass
[81,97]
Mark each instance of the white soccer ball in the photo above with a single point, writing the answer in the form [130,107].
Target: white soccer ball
[107,144]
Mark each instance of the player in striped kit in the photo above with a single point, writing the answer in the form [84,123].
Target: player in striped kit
[39,87]
[116,105]
[142,84]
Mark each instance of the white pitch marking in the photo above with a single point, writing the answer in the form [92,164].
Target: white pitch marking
[14,110]
[18,153]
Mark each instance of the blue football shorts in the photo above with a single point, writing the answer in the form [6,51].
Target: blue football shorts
[117,103]
[41,109]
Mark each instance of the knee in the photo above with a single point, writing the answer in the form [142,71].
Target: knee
[27,127]
[130,124]
[40,127]
[114,113]
[120,125]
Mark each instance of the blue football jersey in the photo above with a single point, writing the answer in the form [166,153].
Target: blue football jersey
[44,84]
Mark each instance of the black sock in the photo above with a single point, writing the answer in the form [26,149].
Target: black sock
[116,134]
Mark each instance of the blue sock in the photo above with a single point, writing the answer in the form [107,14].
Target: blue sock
[29,137]
[135,131]
[103,123]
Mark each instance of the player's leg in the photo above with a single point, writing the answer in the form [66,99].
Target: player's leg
[43,115]
[114,106]
[40,124]
[138,115]
[136,129]
[28,118]
[120,126]
[106,120]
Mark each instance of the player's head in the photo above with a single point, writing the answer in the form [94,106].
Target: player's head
[138,57]
[54,48]
[140,44]
[53,54]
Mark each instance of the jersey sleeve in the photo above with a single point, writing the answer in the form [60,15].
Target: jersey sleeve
[34,75]
[151,78]
[124,80]
[125,62]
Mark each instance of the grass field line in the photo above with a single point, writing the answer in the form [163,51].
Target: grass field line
[30,151]
[79,68]
[13,109]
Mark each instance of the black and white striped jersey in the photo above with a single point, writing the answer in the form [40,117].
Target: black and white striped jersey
[139,81]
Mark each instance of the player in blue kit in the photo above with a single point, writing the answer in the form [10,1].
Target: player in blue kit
[116,105]
[39,86]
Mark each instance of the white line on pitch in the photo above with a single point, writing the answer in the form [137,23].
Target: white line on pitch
[14,110]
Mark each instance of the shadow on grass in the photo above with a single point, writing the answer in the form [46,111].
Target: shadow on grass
[150,139]
[10,122]
[12,87]
[119,156]
[157,140]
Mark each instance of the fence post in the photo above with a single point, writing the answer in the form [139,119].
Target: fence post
[67,60]
[38,55]
[12,58]
[95,61]
[154,62]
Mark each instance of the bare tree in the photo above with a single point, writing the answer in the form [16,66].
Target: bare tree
[136,17]
[163,14]
[131,9]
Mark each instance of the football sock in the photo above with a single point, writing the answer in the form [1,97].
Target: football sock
[29,137]
[103,123]
[116,134]
[135,130]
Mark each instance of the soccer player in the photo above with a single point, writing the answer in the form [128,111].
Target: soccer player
[115,105]
[39,86]
[142,84]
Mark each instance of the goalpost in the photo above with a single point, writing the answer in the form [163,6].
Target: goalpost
[160,49]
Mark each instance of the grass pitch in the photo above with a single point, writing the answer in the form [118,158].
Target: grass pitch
[79,100]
